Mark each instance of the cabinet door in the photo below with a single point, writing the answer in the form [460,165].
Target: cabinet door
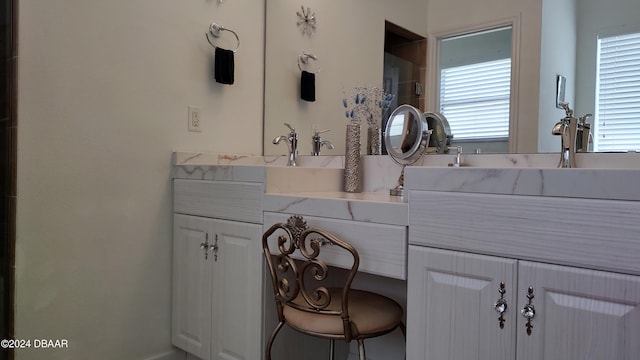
[237,291]
[451,297]
[192,277]
[579,314]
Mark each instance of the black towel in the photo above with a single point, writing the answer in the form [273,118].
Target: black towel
[308,86]
[224,66]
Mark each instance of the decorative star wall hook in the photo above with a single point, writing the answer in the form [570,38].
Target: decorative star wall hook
[307,21]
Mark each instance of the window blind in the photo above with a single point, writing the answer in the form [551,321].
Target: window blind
[617,113]
[475,99]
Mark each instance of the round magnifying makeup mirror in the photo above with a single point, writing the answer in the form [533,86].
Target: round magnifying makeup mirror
[405,138]
[441,136]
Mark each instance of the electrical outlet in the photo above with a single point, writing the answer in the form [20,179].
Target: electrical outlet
[195,120]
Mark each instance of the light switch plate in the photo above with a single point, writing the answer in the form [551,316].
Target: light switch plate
[195,119]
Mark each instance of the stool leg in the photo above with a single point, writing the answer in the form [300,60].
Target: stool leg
[363,356]
[403,328]
[271,339]
[332,345]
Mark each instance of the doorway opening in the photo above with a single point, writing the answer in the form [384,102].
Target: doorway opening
[405,68]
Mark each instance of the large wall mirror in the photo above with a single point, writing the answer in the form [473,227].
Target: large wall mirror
[554,37]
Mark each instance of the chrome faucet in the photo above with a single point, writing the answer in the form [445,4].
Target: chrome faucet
[292,144]
[567,129]
[584,137]
[317,143]
[457,162]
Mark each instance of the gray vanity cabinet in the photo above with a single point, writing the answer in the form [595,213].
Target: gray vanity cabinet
[217,269]
[577,311]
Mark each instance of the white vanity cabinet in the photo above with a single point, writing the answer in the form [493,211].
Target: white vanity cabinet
[463,246]
[579,313]
[217,269]
[450,297]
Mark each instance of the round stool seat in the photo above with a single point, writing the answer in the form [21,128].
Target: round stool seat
[371,314]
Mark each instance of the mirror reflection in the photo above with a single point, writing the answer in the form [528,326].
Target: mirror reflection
[403,132]
[552,37]
[474,88]
[349,44]
[598,81]
[441,135]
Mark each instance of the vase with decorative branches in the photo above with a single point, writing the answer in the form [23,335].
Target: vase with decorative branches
[369,104]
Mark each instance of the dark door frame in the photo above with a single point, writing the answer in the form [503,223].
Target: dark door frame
[8,146]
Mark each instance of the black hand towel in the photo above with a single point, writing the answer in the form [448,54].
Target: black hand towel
[224,66]
[308,86]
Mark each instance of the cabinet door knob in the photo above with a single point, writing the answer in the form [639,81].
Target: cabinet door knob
[529,311]
[205,246]
[501,305]
[214,248]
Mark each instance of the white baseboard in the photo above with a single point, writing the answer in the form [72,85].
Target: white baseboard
[174,354]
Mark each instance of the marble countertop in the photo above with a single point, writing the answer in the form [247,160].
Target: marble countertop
[611,184]
[320,177]
[313,189]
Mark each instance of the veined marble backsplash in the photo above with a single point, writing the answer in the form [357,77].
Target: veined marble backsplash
[610,184]
[191,158]
[630,160]
[380,173]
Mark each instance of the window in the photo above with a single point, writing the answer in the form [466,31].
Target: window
[475,99]
[617,113]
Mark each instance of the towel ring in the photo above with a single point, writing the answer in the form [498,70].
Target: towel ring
[215,29]
[304,59]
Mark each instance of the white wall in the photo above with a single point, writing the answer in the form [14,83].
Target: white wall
[102,102]
[349,44]
[557,57]
[450,16]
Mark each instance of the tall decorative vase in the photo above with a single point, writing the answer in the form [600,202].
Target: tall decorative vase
[352,169]
[374,144]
